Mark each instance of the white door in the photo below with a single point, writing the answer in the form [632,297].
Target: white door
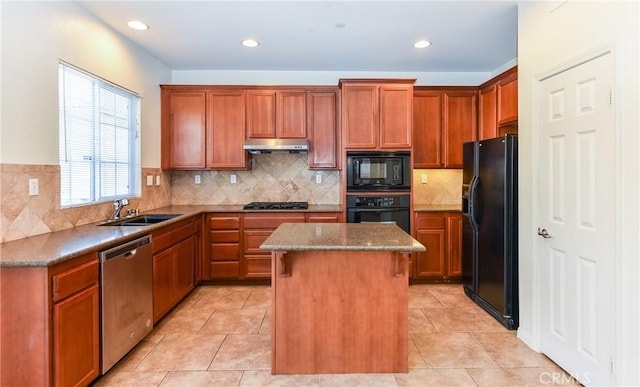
[577,199]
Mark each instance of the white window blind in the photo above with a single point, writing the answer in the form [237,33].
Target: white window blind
[99,139]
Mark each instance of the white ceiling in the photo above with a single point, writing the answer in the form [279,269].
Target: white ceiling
[466,36]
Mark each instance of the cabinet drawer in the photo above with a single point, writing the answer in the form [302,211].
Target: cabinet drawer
[430,221]
[224,269]
[224,236]
[271,221]
[327,217]
[253,239]
[171,235]
[217,222]
[74,280]
[224,252]
[257,266]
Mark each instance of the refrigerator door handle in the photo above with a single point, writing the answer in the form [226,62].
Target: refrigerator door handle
[472,203]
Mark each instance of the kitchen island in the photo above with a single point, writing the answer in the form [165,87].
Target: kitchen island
[339,298]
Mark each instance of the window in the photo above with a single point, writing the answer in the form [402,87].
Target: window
[99,139]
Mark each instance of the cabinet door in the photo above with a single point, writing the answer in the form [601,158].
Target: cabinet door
[454,245]
[183,130]
[261,114]
[508,99]
[291,114]
[427,129]
[360,116]
[76,338]
[323,130]
[226,130]
[488,110]
[459,125]
[184,254]
[164,266]
[396,118]
[431,263]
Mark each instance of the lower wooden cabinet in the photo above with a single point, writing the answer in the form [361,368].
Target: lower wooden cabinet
[234,239]
[441,234]
[174,262]
[50,326]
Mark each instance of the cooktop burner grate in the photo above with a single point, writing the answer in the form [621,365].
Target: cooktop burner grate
[276,206]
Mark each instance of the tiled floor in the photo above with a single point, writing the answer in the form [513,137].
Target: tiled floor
[220,336]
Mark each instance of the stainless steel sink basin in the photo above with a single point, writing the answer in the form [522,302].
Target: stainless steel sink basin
[141,220]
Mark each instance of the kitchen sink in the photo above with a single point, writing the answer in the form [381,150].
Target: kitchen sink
[141,220]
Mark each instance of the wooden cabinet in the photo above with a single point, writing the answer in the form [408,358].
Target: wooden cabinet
[224,246]
[323,217]
[439,136]
[257,228]
[173,265]
[322,129]
[441,234]
[225,130]
[377,114]
[276,113]
[202,128]
[50,327]
[499,105]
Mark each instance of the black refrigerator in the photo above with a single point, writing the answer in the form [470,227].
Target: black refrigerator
[490,226]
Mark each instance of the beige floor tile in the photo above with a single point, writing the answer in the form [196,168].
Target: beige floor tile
[222,300]
[182,353]
[202,379]
[509,351]
[435,377]
[244,352]
[461,319]
[265,328]
[258,299]
[422,298]
[135,356]
[451,296]
[132,379]
[451,350]
[511,377]
[415,358]
[360,380]
[239,321]
[184,321]
[264,378]
[418,322]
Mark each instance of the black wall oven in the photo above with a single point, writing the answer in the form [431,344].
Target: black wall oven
[378,171]
[379,209]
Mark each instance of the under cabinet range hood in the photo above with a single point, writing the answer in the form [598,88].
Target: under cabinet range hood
[276,145]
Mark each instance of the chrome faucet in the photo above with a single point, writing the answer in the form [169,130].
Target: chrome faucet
[118,205]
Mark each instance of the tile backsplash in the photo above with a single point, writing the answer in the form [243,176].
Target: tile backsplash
[272,178]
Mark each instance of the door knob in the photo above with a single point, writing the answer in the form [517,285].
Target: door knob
[543,233]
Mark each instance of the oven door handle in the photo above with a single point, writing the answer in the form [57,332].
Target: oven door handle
[378,209]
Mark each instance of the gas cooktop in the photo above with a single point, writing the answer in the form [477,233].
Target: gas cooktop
[276,206]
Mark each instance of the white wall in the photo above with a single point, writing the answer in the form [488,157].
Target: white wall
[35,35]
[549,36]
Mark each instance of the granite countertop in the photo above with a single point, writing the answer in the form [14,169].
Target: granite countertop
[341,236]
[437,207]
[55,247]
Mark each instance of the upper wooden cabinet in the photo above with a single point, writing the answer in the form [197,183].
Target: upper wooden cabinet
[499,105]
[276,114]
[444,118]
[202,128]
[322,125]
[377,114]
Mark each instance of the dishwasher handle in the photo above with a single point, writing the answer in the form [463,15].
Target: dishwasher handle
[127,250]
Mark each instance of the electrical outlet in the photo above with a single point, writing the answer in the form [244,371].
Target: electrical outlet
[157,179]
[197,179]
[423,179]
[233,178]
[318,178]
[149,180]
[33,187]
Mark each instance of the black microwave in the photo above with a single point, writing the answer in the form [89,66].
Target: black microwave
[378,171]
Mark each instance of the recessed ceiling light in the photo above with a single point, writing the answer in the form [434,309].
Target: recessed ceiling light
[422,44]
[250,43]
[138,25]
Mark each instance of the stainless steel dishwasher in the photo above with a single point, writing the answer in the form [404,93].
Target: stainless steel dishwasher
[126,299]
